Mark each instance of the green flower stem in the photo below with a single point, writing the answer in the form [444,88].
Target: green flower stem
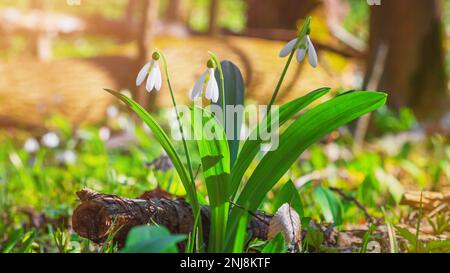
[222,89]
[304,31]
[195,206]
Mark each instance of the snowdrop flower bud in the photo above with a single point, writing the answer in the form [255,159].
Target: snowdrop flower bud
[50,140]
[304,47]
[31,145]
[208,80]
[154,74]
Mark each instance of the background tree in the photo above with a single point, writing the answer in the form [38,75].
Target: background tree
[146,31]
[414,71]
[281,14]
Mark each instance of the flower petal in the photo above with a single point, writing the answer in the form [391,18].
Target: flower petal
[212,89]
[151,80]
[198,87]
[312,54]
[215,91]
[301,53]
[287,49]
[142,74]
[158,77]
[209,86]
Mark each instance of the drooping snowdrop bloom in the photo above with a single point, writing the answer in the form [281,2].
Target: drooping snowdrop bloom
[154,74]
[50,140]
[304,47]
[31,145]
[207,80]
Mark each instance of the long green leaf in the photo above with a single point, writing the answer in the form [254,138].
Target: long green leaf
[164,141]
[289,194]
[252,145]
[306,130]
[234,90]
[215,156]
[276,245]
[241,235]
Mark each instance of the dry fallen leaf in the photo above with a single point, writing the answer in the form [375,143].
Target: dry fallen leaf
[286,221]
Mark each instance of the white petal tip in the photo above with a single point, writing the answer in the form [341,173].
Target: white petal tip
[287,49]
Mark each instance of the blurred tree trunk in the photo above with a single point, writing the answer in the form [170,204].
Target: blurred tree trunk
[214,11]
[131,10]
[414,71]
[281,14]
[145,45]
[176,11]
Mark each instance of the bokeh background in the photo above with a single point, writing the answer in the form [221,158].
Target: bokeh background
[60,132]
[56,56]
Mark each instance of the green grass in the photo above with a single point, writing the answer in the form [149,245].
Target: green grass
[42,182]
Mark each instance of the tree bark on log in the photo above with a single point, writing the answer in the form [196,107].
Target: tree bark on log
[100,214]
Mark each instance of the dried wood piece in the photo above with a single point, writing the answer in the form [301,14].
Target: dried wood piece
[430,200]
[286,221]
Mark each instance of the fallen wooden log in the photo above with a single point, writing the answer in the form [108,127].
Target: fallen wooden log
[100,214]
[94,217]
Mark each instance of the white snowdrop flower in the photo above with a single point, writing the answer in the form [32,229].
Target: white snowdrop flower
[207,80]
[31,145]
[304,47]
[50,140]
[104,133]
[153,71]
[67,157]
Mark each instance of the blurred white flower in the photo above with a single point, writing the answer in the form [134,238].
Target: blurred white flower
[125,123]
[50,140]
[104,133]
[305,46]
[154,74]
[67,157]
[206,79]
[112,111]
[31,145]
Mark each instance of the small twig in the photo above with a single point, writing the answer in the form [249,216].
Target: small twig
[349,198]
[249,212]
